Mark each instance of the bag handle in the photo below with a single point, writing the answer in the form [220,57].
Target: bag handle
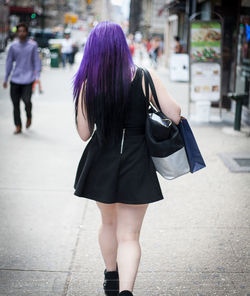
[146,84]
[149,82]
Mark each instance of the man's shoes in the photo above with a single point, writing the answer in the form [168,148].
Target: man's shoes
[28,122]
[111,283]
[18,130]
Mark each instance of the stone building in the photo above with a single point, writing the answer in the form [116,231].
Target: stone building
[235,17]
[51,13]
[145,17]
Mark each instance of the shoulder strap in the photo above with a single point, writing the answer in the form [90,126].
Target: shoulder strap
[146,84]
[149,82]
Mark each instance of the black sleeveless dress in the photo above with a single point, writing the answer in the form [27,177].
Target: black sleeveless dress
[121,171]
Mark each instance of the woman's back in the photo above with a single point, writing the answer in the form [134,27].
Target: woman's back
[136,105]
[122,159]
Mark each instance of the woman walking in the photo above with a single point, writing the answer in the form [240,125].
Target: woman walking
[116,169]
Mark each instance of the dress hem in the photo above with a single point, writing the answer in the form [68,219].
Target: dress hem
[120,201]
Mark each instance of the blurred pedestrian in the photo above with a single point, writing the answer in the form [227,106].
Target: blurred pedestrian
[178,47]
[24,53]
[67,50]
[155,51]
[75,49]
[132,48]
[140,49]
[116,169]
[131,44]
[148,45]
[138,37]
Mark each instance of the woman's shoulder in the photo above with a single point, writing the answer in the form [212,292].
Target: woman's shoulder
[136,74]
[140,72]
[150,72]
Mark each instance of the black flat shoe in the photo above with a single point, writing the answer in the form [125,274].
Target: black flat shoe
[125,293]
[111,283]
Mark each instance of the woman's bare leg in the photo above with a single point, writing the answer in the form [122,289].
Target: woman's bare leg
[129,222]
[107,235]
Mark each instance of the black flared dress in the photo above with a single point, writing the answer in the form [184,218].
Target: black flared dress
[121,171]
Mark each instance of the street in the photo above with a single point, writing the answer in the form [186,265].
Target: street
[194,242]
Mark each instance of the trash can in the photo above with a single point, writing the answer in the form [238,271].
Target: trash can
[54,57]
[179,67]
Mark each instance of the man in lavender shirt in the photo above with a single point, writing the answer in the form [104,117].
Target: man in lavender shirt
[27,69]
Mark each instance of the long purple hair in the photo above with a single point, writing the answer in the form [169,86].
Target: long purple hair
[105,74]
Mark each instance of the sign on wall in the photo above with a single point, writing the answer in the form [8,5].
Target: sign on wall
[205,61]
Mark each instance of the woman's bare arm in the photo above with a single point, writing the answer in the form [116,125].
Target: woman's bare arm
[168,106]
[82,120]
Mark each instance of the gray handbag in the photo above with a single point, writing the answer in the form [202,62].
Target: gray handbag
[164,141]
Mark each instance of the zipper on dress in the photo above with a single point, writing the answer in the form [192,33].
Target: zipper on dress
[122,141]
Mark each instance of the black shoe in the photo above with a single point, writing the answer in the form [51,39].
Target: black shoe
[125,293]
[111,283]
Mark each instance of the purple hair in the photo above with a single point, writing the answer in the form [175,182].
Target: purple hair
[105,74]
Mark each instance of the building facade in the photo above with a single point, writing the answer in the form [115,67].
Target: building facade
[51,13]
[145,17]
[235,16]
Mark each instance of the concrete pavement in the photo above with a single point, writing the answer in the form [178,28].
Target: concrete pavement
[194,242]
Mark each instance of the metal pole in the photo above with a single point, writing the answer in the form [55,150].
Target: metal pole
[193,6]
[189,69]
[43,16]
[238,111]
[166,39]
[189,9]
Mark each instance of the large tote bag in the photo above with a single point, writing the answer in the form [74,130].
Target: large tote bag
[164,140]
[195,159]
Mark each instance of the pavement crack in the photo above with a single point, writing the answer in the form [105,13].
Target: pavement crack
[68,279]
[32,270]
[36,189]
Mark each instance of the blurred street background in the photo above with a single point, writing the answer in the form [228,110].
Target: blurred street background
[194,242]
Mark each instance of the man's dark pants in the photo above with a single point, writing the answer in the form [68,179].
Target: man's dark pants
[18,92]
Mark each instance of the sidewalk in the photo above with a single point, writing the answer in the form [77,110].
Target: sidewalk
[194,242]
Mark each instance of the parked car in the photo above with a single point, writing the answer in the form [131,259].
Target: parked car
[42,37]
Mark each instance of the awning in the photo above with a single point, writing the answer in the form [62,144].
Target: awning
[173,6]
[20,9]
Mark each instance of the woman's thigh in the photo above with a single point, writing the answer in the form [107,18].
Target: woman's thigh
[108,212]
[129,220]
